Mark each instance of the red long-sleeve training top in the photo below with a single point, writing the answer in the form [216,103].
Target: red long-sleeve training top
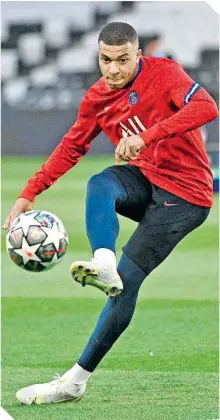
[162,104]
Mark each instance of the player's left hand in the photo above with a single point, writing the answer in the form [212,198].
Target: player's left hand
[128,148]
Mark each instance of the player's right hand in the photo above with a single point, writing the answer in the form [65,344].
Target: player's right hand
[21,206]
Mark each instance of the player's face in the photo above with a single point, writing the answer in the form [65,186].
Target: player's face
[119,63]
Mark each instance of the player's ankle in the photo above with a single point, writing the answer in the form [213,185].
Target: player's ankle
[79,375]
[105,255]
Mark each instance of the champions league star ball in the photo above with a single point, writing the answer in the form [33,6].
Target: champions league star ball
[37,240]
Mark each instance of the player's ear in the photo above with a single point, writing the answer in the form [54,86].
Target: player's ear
[139,54]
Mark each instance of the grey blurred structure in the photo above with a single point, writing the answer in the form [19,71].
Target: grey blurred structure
[49,59]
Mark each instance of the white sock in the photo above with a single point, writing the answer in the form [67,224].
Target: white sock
[78,374]
[105,255]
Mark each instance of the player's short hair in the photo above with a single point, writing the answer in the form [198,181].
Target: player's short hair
[117,33]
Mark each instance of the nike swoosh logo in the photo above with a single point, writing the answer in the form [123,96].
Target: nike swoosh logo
[169,204]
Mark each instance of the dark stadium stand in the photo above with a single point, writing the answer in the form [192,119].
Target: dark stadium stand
[49,55]
[64,43]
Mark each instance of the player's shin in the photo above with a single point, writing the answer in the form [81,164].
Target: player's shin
[103,192]
[115,317]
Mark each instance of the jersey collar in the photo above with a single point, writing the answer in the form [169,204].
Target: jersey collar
[129,84]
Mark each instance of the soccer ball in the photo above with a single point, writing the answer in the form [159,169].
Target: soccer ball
[37,240]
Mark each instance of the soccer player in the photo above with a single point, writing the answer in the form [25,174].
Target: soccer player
[151,110]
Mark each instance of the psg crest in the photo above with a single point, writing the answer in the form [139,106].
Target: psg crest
[133,97]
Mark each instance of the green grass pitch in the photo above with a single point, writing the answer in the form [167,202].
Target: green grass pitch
[164,367]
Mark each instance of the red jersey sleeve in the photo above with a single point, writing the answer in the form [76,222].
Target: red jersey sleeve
[195,107]
[72,147]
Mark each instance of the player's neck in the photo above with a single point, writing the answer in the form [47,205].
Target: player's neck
[136,74]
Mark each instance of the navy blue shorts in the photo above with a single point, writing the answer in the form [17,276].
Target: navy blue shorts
[163,218]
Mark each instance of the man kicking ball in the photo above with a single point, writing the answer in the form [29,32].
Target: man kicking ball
[151,110]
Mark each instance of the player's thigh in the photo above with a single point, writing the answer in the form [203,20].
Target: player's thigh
[138,189]
[161,229]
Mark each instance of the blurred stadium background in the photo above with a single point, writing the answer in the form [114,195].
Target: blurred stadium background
[49,59]
[170,352]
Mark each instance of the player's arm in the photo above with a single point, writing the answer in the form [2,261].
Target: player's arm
[69,151]
[195,107]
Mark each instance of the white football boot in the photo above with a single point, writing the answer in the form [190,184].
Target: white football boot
[60,389]
[95,273]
